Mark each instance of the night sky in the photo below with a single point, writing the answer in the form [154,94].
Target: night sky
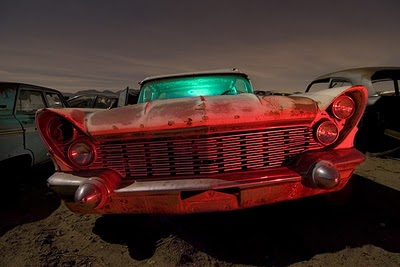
[109,45]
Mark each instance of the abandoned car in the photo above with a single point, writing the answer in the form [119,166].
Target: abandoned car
[203,142]
[103,100]
[93,100]
[379,129]
[20,144]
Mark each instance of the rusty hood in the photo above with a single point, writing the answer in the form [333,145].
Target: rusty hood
[203,112]
[195,114]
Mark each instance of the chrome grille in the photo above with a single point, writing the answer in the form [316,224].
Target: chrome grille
[205,154]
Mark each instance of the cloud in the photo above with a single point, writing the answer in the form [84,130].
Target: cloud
[282,45]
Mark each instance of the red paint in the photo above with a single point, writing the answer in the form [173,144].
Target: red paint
[207,153]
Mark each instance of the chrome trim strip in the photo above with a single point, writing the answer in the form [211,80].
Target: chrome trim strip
[70,180]
[197,184]
[65,179]
[11,131]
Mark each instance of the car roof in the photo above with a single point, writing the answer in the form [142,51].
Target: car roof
[31,85]
[185,74]
[357,72]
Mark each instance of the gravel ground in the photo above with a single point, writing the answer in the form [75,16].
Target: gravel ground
[36,229]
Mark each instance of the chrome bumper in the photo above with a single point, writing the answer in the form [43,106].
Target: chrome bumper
[105,192]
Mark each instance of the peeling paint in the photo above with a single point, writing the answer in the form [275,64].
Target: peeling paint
[201,111]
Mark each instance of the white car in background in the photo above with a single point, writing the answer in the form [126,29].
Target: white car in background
[380,126]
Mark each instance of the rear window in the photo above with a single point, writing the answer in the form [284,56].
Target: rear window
[54,100]
[83,101]
[29,101]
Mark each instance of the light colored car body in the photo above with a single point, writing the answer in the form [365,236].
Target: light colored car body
[20,143]
[201,142]
[381,118]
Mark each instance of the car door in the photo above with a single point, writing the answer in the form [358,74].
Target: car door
[29,100]
[11,133]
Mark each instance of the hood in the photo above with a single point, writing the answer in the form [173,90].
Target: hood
[202,111]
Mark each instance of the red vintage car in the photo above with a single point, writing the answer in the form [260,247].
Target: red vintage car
[202,142]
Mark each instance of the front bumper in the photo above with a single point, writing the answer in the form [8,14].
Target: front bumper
[103,191]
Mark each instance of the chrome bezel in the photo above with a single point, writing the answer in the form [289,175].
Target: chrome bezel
[318,129]
[335,104]
[61,121]
[80,141]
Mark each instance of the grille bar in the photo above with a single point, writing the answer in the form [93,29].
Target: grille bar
[205,154]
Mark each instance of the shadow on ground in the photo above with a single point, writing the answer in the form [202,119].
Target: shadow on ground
[26,198]
[278,234]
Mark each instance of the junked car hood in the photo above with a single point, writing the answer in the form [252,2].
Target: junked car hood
[200,114]
[209,111]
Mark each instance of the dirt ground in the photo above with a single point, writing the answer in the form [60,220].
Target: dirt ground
[36,229]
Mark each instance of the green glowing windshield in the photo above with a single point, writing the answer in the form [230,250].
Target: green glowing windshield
[191,86]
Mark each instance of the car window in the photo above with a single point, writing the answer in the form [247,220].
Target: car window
[339,83]
[83,101]
[54,100]
[7,98]
[104,102]
[383,86]
[326,84]
[29,101]
[318,86]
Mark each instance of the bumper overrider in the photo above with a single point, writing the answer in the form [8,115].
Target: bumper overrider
[103,191]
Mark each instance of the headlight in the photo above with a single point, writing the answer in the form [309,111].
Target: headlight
[343,107]
[60,130]
[327,133]
[81,153]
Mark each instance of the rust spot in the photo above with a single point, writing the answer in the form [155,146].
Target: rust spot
[201,106]
[141,126]
[189,121]
[247,109]
[236,116]
[115,127]
[205,118]
[170,123]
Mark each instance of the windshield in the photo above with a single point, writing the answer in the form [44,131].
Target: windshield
[182,87]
